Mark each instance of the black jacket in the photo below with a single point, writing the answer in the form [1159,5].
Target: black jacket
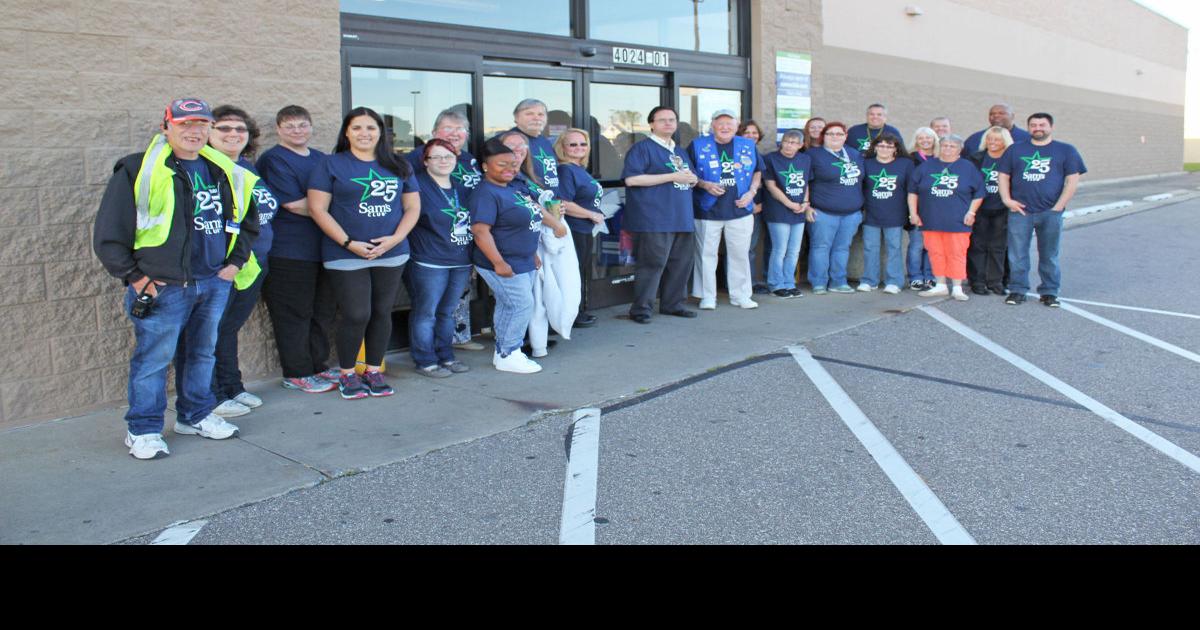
[116,222]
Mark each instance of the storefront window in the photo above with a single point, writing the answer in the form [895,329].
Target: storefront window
[409,100]
[547,17]
[700,25]
[618,121]
[696,107]
[501,95]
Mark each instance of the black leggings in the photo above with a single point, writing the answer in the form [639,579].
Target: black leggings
[365,298]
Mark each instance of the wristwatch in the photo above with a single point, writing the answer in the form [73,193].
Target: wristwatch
[347,243]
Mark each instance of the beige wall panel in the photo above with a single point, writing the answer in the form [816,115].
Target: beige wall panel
[953,33]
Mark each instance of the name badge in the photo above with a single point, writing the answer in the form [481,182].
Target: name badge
[233,227]
[714,164]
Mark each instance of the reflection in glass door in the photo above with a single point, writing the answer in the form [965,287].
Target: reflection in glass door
[618,121]
[409,100]
[501,95]
[696,106]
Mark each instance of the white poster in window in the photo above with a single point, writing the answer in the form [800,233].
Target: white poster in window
[793,91]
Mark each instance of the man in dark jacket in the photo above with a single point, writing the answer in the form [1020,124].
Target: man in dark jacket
[170,227]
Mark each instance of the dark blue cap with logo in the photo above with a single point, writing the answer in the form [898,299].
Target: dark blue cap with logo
[182,109]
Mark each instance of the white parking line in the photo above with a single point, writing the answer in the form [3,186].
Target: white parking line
[1104,207]
[1159,197]
[179,533]
[923,501]
[1154,341]
[578,525]
[1156,441]
[1122,307]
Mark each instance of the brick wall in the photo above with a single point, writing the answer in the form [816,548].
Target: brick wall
[84,84]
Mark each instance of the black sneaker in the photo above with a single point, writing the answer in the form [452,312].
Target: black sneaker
[1050,300]
[797,293]
[783,293]
[376,386]
[761,289]
[1015,299]
[998,290]
[979,289]
[351,387]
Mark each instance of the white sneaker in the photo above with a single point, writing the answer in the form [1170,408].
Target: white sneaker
[248,399]
[212,427]
[517,363]
[865,288]
[747,304]
[938,290]
[708,305]
[891,289]
[231,409]
[148,446]
[959,295]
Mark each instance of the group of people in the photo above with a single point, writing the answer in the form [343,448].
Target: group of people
[325,234]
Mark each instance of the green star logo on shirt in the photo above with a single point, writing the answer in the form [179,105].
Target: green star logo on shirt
[376,185]
[1037,163]
[945,178]
[882,179]
[526,202]
[989,174]
[203,193]
[843,166]
[451,212]
[792,177]
[548,161]
[465,176]
[865,143]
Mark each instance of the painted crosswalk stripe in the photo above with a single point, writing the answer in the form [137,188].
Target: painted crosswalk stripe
[179,533]
[1154,440]
[1140,336]
[1123,307]
[578,526]
[914,490]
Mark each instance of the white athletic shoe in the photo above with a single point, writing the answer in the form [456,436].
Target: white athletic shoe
[231,409]
[248,399]
[708,305]
[865,288]
[148,446]
[958,294]
[212,427]
[891,289]
[517,363]
[746,304]
[938,290]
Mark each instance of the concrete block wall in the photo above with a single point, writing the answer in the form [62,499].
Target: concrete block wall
[84,84]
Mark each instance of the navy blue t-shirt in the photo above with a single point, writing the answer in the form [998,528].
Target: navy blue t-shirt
[208,222]
[859,136]
[991,181]
[885,192]
[945,192]
[973,140]
[286,174]
[442,235]
[661,208]
[367,202]
[465,174]
[726,207]
[837,180]
[577,185]
[516,222]
[267,206]
[545,163]
[1038,173]
[791,176]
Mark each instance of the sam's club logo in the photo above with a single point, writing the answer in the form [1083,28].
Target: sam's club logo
[1036,167]
[944,183]
[883,185]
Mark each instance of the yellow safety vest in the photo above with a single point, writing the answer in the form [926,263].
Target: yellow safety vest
[154,190]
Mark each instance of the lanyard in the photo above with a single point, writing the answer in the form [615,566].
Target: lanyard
[453,202]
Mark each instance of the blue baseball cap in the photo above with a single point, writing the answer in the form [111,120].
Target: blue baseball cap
[182,109]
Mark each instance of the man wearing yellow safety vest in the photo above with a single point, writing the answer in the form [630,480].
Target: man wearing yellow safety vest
[176,224]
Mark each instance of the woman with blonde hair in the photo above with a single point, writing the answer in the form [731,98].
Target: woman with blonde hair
[989,235]
[920,272]
[580,194]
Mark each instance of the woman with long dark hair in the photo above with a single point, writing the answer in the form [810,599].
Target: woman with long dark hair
[366,200]
[885,192]
[812,133]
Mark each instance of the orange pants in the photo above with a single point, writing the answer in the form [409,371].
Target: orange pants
[948,253]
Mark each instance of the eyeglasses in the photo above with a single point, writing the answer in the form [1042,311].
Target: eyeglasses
[834,133]
[304,126]
[231,129]
[577,144]
[452,129]
[440,158]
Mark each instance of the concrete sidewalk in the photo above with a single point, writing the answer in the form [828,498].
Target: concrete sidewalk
[72,480]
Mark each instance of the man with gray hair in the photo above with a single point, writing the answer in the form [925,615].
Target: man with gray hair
[452,126]
[860,136]
[1000,115]
[530,117]
[941,127]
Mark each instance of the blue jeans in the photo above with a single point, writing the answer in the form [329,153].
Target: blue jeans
[227,376]
[1021,228]
[786,239]
[514,308]
[435,295]
[830,248]
[894,274]
[192,312]
[917,261]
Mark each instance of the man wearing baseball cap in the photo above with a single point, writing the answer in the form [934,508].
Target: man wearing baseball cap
[730,174]
[176,224]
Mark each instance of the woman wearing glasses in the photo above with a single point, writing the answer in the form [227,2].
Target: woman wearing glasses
[836,199]
[581,195]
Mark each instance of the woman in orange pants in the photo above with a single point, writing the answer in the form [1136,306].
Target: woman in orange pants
[943,195]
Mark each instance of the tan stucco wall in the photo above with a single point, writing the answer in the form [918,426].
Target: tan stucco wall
[84,84]
[1121,125]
